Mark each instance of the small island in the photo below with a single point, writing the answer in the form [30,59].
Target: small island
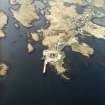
[3,22]
[3,69]
[26,13]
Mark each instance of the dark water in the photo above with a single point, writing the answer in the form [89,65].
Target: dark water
[26,85]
